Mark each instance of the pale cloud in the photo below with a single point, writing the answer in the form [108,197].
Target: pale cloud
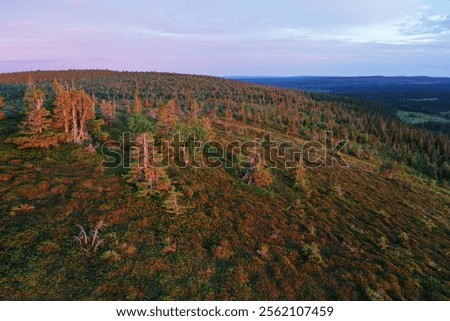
[437,17]
[406,31]
[402,22]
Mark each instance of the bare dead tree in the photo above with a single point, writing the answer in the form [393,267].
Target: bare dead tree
[92,242]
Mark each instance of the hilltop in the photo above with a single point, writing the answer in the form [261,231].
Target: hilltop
[376,229]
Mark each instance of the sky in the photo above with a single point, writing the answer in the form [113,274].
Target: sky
[229,37]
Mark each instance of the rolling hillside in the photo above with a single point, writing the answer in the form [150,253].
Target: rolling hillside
[377,229]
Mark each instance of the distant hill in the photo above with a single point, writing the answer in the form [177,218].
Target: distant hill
[352,84]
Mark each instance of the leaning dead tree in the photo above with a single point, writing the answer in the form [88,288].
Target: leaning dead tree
[145,173]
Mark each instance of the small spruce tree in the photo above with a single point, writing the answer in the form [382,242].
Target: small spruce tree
[137,107]
[36,128]
[172,204]
[2,104]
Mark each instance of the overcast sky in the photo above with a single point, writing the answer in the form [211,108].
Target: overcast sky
[229,37]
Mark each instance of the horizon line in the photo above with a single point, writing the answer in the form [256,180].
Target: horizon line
[231,77]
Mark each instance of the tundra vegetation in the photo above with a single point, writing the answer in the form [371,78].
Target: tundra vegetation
[73,229]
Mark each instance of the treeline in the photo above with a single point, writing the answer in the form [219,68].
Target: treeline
[70,117]
[369,127]
[437,127]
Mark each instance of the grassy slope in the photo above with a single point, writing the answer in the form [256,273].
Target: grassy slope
[378,238]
